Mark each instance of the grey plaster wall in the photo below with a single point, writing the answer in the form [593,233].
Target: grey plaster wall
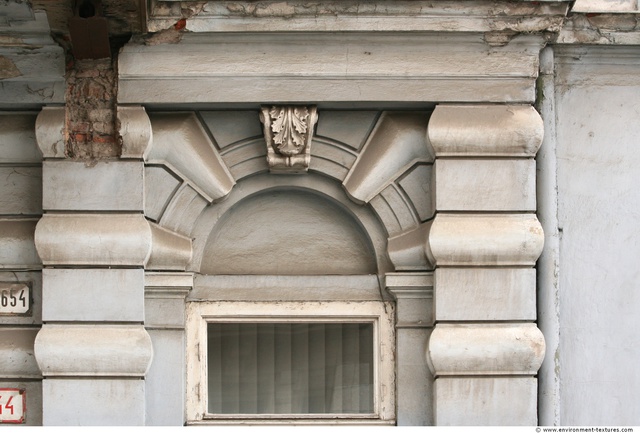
[598,168]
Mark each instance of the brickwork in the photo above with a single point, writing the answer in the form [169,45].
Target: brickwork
[91,110]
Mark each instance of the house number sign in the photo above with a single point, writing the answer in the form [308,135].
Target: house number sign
[13,405]
[14,298]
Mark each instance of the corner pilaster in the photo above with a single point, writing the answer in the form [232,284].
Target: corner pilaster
[485,348]
[94,242]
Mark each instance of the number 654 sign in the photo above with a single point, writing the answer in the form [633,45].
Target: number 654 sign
[14,298]
[13,405]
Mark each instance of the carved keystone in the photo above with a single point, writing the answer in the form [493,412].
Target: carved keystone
[288,131]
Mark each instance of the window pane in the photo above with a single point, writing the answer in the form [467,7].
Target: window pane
[290,368]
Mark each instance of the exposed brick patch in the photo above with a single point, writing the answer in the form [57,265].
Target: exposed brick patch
[91,110]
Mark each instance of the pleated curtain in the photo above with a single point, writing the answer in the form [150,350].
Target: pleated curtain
[290,368]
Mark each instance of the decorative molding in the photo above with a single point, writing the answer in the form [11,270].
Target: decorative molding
[288,131]
[485,240]
[135,132]
[485,349]
[93,239]
[93,350]
[485,130]
[407,250]
[169,250]
[360,66]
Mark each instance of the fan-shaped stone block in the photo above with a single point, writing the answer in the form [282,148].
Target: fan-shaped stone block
[396,144]
[169,250]
[182,143]
[135,131]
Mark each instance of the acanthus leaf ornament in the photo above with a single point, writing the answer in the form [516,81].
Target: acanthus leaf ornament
[288,132]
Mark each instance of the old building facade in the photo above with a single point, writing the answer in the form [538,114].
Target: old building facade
[282,212]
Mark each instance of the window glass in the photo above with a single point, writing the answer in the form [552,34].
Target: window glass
[290,368]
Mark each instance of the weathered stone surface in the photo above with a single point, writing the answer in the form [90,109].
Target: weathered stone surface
[396,143]
[164,299]
[16,353]
[93,350]
[485,240]
[183,210]
[159,187]
[407,251]
[169,250]
[414,380]
[485,130]
[50,132]
[102,185]
[96,402]
[485,349]
[413,292]
[135,132]
[361,66]
[472,401]
[18,138]
[93,239]
[230,127]
[165,380]
[20,190]
[18,248]
[485,185]
[114,295]
[490,294]
[348,127]
[182,143]
[417,184]
[331,158]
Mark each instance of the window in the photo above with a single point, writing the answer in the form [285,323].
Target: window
[293,362]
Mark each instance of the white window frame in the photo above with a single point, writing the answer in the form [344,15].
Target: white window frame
[381,314]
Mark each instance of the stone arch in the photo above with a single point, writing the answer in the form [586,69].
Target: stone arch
[323,197]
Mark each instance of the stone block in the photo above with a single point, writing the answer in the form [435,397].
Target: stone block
[414,381]
[485,240]
[485,185]
[16,353]
[479,294]
[417,185]
[93,350]
[105,185]
[485,349]
[97,402]
[414,298]
[407,251]
[33,390]
[18,247]
[183,210]
[348,127]
[485,401]
[169,250]
[20,190]
[159,187]
[93,239]
[115,295]
[229,127]
[18,138]
[485,130]
[165,381]
[396,143]
[33,279]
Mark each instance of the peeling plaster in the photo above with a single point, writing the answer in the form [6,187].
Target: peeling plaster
[8,69]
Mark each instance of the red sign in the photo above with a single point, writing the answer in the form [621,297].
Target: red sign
[13,405]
